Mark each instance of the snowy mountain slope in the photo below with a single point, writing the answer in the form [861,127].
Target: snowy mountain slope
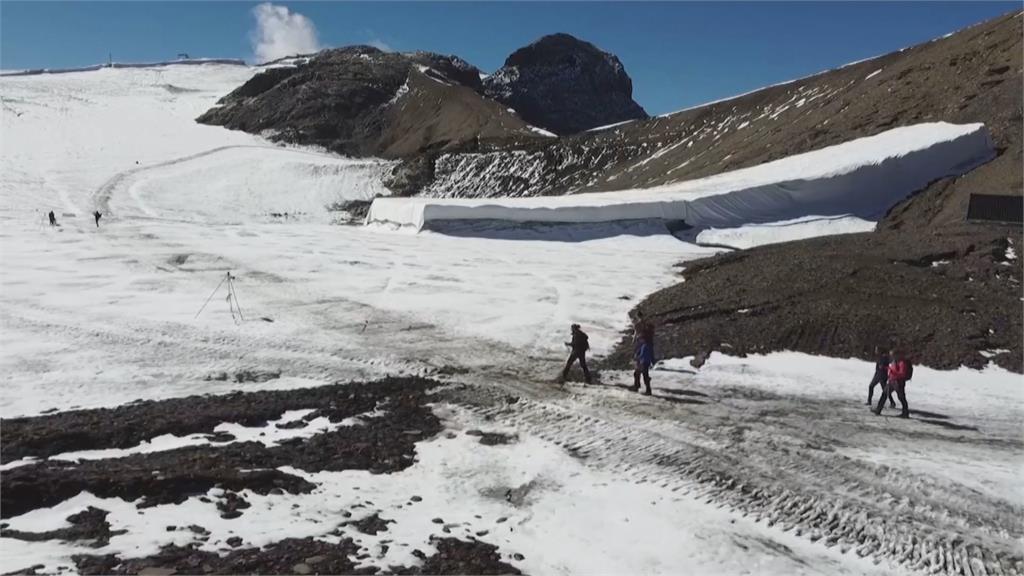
[862,177]
[202,201]
[768,464]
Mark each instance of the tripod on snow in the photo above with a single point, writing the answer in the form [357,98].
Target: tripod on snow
[232,298]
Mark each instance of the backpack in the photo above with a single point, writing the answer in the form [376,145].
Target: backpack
[910,369]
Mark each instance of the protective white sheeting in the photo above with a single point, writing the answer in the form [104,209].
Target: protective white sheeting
[863,177]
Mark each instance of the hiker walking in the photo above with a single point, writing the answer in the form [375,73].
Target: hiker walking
[577,351]
[881,376]
[643,330]
[96,214]
[900,370]
[643,351]
[643,359]
[53,218]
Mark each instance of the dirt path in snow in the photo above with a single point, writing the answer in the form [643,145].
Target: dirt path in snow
[780,459]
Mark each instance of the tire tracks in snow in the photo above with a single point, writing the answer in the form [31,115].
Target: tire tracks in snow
[101,196]
[794,483]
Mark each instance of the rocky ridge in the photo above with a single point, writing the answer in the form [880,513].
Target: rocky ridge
[565,85]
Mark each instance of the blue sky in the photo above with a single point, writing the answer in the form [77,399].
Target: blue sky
[678,54]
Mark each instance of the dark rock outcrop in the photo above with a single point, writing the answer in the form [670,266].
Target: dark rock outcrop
[565,85]
[361,101]
[949,298]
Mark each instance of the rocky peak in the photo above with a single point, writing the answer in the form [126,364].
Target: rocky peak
[362,101]
[565,85]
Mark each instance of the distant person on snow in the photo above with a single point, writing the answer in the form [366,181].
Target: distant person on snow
[53,218]
[577,351]
[900,370]
[881,376]
[96,214]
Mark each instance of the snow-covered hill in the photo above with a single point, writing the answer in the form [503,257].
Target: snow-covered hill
[703,476]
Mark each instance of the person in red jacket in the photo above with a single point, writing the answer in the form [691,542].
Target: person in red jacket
[899,373]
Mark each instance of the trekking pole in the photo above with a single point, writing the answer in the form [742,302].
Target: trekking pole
[211,295]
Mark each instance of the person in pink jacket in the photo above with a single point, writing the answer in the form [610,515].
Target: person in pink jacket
[899,372]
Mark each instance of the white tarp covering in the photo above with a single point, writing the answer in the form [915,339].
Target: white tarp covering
[863,177]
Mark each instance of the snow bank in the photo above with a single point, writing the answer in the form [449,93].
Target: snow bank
[862,177]
[751,235]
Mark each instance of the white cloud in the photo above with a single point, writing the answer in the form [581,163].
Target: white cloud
[280,32]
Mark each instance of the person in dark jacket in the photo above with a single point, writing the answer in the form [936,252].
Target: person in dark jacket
[643,351]
[53,218]
[898,373]
[643,360]
[577,351]
[96,214]
[643,331]
[881,376]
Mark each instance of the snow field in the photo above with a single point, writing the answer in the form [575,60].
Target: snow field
[275,185]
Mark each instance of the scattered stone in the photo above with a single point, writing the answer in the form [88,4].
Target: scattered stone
[231,505]
[456,556]
[256,375]
[294,424]
[493,438]
[301,568]
[371,524]
[437,521]
[234,541]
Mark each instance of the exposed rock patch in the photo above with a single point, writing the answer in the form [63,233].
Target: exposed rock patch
[298,556]
[380,444]
[565,85]
[129,425]
[943,297]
